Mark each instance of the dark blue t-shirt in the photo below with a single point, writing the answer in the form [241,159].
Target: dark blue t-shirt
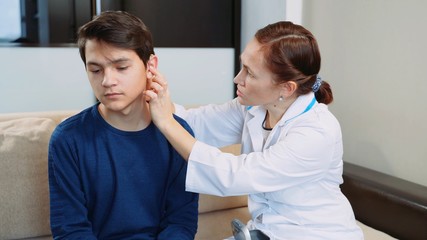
[111,184]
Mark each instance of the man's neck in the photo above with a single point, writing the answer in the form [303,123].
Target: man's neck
[133,118]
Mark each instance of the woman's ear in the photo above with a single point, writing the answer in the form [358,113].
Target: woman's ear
[152,63]
[289,88]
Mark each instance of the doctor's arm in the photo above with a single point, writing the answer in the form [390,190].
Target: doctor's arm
[162,108]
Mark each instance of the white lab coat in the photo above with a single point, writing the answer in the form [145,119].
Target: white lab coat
[292,180]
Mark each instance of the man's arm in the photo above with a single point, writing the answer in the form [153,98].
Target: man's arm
[181,215]
[180,219]
[68,214]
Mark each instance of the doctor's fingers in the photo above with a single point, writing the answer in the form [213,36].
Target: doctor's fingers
[158,77]
[159,89]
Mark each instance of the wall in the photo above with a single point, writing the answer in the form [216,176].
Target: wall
[44,79]
[257,14]
[373,54]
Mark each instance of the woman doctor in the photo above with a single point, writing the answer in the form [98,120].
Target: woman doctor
[291,162]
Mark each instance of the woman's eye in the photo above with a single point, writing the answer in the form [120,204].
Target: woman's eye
[250,74]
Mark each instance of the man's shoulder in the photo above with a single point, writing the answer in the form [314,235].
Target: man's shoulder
[76,122]
[184,124]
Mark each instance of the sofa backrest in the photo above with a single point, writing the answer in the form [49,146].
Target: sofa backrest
[24,192]
[55,116]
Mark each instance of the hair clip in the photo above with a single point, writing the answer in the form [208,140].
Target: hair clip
[317,83]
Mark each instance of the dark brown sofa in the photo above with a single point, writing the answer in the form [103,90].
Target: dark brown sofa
[386,203]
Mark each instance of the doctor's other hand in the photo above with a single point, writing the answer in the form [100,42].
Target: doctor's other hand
[161,106]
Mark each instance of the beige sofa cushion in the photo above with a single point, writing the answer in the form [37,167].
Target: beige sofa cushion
[209,203]
[373,234]
[23,177]
[217,225]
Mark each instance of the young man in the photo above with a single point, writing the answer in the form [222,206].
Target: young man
[112,173]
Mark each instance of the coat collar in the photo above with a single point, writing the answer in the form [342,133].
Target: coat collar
[298,107]
[256,116]
[302,104]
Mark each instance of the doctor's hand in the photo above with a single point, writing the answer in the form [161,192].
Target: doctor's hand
[161,106]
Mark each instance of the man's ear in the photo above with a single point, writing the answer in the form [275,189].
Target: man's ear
[152,63]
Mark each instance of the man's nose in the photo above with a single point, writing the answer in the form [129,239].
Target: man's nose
[109,78]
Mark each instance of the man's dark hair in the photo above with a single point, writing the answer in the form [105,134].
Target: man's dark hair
[120,29]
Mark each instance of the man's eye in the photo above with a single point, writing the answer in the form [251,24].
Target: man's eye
[94,70]
[122,68]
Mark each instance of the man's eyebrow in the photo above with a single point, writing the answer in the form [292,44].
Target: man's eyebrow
[93,63]
[120,60]
[114,61]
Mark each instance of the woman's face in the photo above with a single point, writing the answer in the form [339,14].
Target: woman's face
[255,85]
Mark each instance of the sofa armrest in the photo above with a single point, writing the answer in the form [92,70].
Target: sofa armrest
[386,203]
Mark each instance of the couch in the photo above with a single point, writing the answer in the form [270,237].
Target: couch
[385,206]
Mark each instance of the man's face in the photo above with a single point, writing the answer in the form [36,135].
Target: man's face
[118,76]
